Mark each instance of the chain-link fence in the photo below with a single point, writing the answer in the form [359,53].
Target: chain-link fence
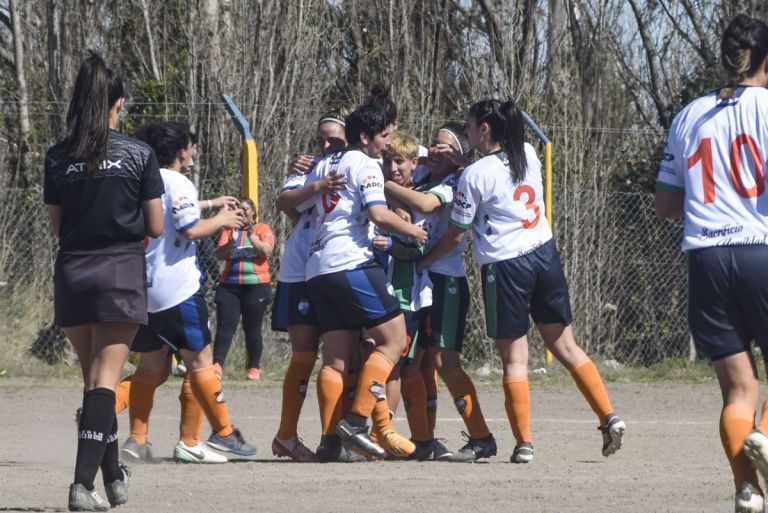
[626,274]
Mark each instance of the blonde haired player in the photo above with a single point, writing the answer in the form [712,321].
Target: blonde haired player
[712,173]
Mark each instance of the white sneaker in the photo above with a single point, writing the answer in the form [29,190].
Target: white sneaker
[756,449]
[747,501]
[196,454]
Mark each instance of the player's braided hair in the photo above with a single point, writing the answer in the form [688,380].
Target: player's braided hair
[742,50]
[508,129]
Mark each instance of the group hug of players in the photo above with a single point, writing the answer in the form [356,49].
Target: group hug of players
[374,268]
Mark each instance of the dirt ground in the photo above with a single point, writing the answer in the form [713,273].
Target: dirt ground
[671,460]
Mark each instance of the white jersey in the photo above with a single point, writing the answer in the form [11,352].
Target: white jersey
[293,262]
[716,156]
[436,225]
[507,219]
[342,235]
[172,271]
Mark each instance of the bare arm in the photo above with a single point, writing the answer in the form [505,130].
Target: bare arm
[417,201]
[222,252]
[54,214]
[153,217]
[445,245]
[669,204]
[292,198]
[221,201]
[225,218]
[384,218]
[261,248]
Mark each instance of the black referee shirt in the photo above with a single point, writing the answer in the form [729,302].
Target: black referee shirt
[104,209]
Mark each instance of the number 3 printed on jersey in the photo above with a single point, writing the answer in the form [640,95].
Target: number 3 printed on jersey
[530,194]
[704,155]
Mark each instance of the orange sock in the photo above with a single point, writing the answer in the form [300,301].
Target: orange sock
[142,397]
[592,388]
[206,387]
[736,422]
[430,382]
[415,400]
[330,389]
[370,386]
[380,418]
[465,398]
[122,395]
[294,391]
[763,426]
[350,391]
[191,415]
[517,401]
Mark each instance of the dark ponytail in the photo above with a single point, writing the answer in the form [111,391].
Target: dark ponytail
[507,129]
[97,88]
[742,51]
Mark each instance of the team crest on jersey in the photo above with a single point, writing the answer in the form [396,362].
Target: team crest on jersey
[303,306]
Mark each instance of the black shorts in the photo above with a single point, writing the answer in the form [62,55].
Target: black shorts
[530,284]
[443,324]
[354,299]
[105,285]
[292,306]
[728,299]
[184,326]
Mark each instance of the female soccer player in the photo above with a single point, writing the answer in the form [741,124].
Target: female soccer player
[443,324]
[244,288]
[347,287]
[293,311]
[103,194]
[713,174]
[500,197]
[178,313]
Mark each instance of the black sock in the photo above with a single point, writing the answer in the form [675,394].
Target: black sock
[110,468]
[96,424]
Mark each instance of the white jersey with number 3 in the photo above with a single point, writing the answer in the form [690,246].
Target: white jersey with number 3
[342,235]
[507,219]
[716,155]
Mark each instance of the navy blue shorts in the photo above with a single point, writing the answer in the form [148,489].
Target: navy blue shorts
[184,326]
[530,284]
[354,299]
[443,324]
[728,299]
[292,306]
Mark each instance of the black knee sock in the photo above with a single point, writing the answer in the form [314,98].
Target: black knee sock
[96,424]
[110,468]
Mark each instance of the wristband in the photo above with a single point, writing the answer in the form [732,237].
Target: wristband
[210,205]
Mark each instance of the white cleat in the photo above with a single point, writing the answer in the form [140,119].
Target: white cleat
[613,432]
[747,501]
[196,454]
[756,449]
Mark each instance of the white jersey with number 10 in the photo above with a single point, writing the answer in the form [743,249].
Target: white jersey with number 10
[342,239]
[507,219]
[715,155]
